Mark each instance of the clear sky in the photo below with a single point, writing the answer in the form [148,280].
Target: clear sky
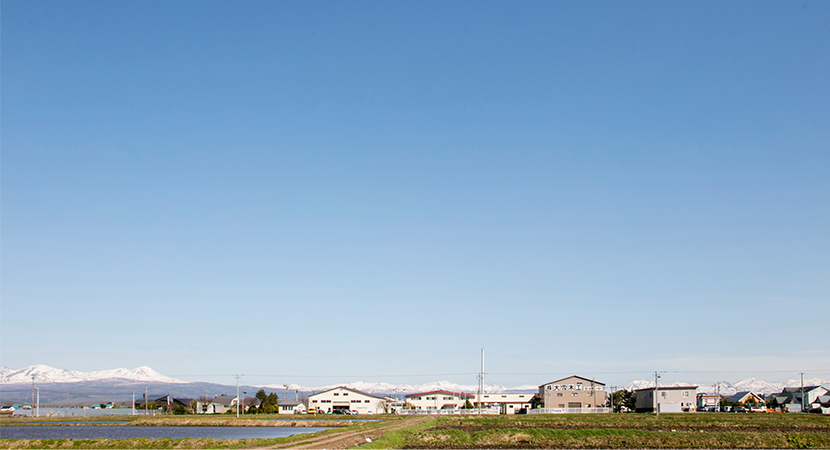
[319,192]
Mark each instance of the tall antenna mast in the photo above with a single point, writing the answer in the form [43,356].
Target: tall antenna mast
[481,382]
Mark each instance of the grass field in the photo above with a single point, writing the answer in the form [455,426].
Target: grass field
[629,431]
[616,431]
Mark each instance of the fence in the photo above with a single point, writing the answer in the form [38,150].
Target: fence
[568,410]
[474,411]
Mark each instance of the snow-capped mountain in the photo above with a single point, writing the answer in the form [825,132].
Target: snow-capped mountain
[726,388]
[47,374]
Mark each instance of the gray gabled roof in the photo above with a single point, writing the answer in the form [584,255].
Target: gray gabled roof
[291,403]
[574,376]
[224,400]
[798,388]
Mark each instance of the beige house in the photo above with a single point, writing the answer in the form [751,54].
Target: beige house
[347,399]
[667,399]
[572,393]
[507,403]
[439,400]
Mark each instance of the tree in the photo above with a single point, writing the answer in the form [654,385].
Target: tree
[384,406]
[623,400]
[268,403]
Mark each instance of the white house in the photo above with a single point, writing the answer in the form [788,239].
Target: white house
[343,398]
[507,403]
[439,400]
[291,407]
[217,405]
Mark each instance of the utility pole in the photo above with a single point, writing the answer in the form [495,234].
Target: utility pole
[145,400]
[656,389]
[33,396]
[802,391]
[611,397]
[38,402]
[237,394]
[133,405]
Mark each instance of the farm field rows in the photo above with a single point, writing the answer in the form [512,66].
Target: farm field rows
[616,431]
[624,431]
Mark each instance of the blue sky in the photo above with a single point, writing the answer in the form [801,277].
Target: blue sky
[320,192]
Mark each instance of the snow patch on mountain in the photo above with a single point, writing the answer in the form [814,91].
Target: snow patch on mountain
[726,388]
[394,389]
[47,374]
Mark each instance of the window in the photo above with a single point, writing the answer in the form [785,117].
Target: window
[336,394]
[685,393]
[344,394]
[558,394]
[365,401]
[664,394]
[314,401]
[574,394]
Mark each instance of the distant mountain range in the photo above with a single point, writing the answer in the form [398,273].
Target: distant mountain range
[726,388]
[58,386]
[46,374]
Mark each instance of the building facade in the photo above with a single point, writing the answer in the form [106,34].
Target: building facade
[572,393]
[439,400]
[667,399]
[507,403]
[708,402]
[343,398]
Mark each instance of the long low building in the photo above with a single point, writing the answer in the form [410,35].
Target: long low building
[439,400]
[347,399]
[507,403]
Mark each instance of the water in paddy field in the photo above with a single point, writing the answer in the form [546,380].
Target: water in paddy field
[80,412]
[151,432]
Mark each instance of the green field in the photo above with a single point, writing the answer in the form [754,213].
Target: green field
[616,431]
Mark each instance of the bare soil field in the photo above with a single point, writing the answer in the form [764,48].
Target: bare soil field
[616,431]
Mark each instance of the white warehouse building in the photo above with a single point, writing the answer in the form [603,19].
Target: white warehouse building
[348,399]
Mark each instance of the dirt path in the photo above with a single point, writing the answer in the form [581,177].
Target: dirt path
[350,438]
